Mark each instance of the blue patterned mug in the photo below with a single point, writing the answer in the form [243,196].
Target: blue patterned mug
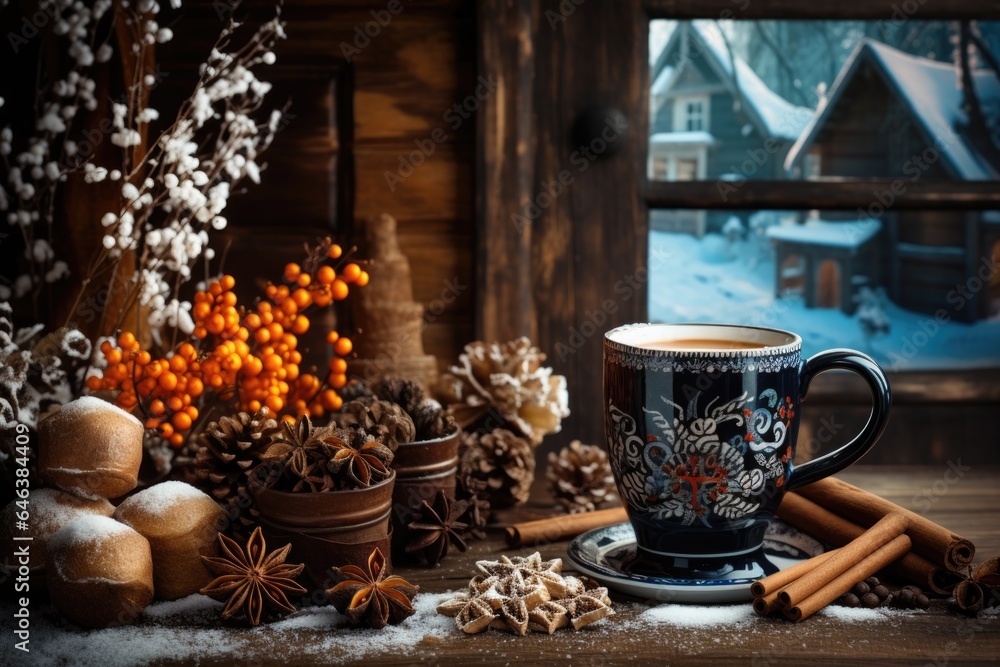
[701,426]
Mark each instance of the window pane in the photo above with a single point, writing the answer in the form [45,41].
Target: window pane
[687,169]
[914,289]
[827,99]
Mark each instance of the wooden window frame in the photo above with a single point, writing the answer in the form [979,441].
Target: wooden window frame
[522,140]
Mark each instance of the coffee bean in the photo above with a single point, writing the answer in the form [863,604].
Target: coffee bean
[870,600]
[850,600]
[860,588]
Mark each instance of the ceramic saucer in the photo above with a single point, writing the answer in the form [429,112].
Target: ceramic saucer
[601,554]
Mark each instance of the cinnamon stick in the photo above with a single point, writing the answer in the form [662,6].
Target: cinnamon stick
[934,542]
[562,527]
[833,589]
[777,581]
[766,590]
[837,531]
[887,529]
[765,605]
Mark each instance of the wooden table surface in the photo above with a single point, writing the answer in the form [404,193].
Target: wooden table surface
[967,501]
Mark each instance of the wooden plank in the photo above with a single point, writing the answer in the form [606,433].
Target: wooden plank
[442,271]
[912,387]
[840,9]
[390,117]
[827,194]
[505,144]
[411,184]
[445,339]
[591,251]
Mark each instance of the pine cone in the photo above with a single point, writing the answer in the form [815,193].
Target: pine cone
[407,394]
[388,422]
[509,379]
[505,462]
[580,477]
[356,390]
[431,420]
[228,449]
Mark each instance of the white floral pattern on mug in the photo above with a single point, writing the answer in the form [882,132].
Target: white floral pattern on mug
[687,472]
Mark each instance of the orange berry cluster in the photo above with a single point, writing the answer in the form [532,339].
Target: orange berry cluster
[165,388]
[248,357]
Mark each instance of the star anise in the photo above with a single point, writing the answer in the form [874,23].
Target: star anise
[437,526]
[292,444]
[250,580]
[371,597]
[477,508]
[358,459]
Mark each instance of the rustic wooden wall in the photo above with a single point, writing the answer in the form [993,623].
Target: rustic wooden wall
[563,225]
[405,65]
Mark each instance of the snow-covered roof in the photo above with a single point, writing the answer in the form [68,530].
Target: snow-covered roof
[931,91]
[662,82]
[700,137]
[852,234]
[774,115]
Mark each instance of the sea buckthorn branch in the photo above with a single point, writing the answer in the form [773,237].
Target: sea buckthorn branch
[248,358]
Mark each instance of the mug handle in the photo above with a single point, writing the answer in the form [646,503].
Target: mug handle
[835,461]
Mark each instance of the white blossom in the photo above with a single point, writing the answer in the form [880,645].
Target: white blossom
[147,115]
[126,138]
[95,175]
[22,285]
[181,187]
[50,120]
[40,251]
[252,171]
[103,54]
[58,271]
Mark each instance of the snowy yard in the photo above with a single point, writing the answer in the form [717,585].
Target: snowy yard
[712,280]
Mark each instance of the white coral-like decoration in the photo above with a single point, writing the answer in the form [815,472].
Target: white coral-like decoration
[37,375]
[510,379]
